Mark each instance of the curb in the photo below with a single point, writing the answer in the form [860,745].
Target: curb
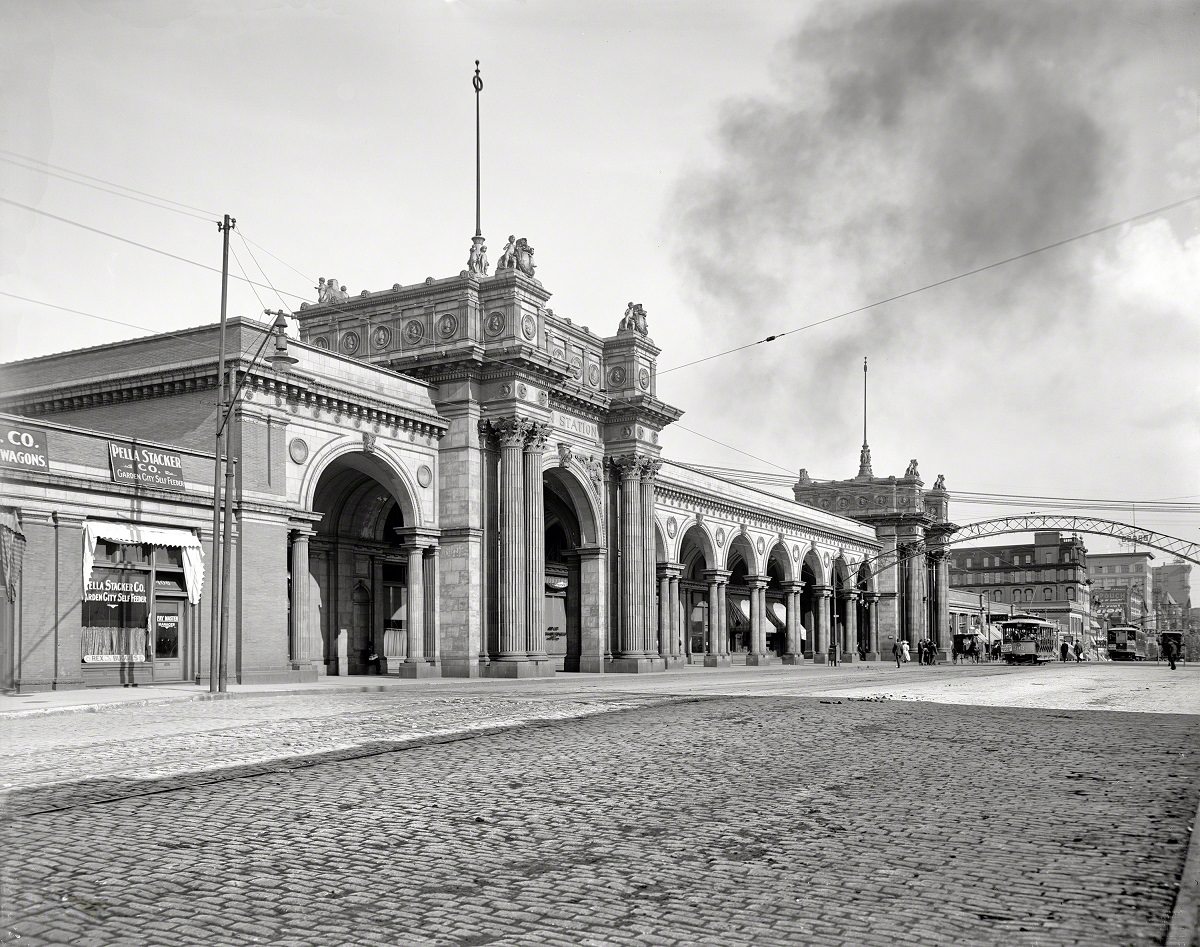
[201,696]
[1184,929]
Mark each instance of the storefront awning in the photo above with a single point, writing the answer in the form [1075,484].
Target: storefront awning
[739,613]
[777,615]
[12,552]
[193,555]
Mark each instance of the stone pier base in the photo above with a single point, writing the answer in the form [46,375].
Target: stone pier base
[519,669]
[419,669]
[761,660]
[717,661]
[636,665]
[795,659]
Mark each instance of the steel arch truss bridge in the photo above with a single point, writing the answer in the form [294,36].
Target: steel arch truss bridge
[1031,522]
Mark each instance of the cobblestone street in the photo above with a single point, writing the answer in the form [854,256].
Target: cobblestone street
[673,818]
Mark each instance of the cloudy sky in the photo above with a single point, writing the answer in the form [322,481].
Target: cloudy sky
[741,169]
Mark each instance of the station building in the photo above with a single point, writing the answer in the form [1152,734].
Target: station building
[451,480]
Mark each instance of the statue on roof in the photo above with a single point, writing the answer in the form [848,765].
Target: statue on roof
[517,255]
[634,320]
[940,483]
[912,470]
[508,258]
[328,291]
[477,260]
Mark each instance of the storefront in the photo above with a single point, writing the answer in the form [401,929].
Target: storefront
[100,558]
[141,587]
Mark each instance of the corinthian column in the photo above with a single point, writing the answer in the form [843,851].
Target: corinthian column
[415,619]
[649,557]
[821,632]
[632,554]
[850,645]
[794,650]
[535,543]
[758,613]
[513,565]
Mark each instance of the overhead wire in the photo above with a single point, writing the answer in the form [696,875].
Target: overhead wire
[942,282]
[7,155]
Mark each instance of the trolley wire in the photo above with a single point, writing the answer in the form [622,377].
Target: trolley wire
[942,282]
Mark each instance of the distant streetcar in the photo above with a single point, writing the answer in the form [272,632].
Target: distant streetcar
[1126,643]
[1026,639]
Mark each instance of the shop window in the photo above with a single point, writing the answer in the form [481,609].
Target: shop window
[116,617]
[168,557]
[121,554]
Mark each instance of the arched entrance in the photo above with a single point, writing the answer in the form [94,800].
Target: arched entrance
[572,614]
[779,573]
[700,593]
[813,577]
[360,562]
[740,563]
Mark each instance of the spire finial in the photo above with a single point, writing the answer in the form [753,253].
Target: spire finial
[864,456]
[477,84]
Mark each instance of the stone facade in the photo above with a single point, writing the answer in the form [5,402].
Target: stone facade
[451,480]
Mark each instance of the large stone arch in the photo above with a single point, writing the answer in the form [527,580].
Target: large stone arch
[740,545]
[696,539]
[378,464]
[778,553]
[571,481]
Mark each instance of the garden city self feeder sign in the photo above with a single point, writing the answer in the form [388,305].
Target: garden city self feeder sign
[146,466]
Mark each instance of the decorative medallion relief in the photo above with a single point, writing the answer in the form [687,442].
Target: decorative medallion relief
[627,431]
[672,527]
[368,442]
[424,475]
[644,379]
[447,326]
[321,342]
[529,327]
[760,546]
[576,367]
[349,343]
[381,338]
[522,390]
[616,376]
[414,331]
[593,375]
[796,553]
[543,399]
[721,537]
[298,450]
[505,390]
[494,324]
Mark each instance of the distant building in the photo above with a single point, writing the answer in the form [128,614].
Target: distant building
[1123,583]
[1173,595]
[1048,577]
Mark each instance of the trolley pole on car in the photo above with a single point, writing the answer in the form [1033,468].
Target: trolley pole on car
[215,584]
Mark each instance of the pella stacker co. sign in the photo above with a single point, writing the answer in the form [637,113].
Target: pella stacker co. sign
[146,466]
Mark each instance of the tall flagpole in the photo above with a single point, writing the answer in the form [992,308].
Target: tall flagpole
[864,456]
[477,262]
[477,82]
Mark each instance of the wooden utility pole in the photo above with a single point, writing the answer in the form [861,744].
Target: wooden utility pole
[215,586]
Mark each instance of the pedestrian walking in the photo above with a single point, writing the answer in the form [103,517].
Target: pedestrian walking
[896,652]
[1063,650]
[904,652]
[1171,650]
[1078,653]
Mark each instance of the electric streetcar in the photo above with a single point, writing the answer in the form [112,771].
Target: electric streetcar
[1027,639]
[1126,643]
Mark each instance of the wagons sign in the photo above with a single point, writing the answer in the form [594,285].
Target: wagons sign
[23,449]
[146,466]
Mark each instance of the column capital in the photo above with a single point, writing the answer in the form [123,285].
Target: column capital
[538,437]
[850,595]
[511,432]
[716,575]
[792,585]
[824,591]
[590,552]
[669,570]
[758,581]
[417,537]
[301,532]
[870,597]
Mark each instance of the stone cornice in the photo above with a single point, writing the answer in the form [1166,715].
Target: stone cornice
[708,505]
